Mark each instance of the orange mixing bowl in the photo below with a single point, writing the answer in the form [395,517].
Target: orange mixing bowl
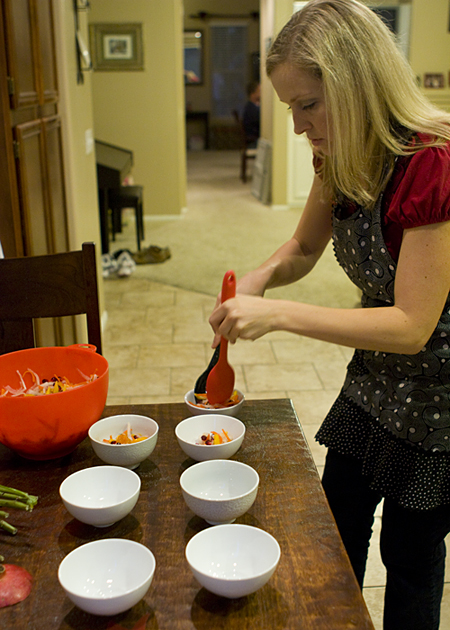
[52,425]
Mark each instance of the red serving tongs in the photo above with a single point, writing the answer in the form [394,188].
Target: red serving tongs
[220,381]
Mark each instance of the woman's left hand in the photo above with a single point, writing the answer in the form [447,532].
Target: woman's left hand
[245,317]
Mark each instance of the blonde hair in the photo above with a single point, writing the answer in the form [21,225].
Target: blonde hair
[371,95]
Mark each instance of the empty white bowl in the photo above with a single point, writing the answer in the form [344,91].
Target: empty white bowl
[127,455]
[189,399]
[107,577]
[100,495]
[233,560]
[219,490]
[190,430]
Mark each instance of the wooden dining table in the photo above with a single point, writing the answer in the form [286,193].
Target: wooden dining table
[313,587]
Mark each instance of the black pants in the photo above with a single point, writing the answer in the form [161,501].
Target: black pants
[412,544]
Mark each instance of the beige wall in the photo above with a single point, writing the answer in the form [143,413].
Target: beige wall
[430,45]
[282,10]
[266,34]
[76,111]
[430,37]
[144,110]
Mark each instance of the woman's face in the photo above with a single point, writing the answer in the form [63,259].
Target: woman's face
[304,95]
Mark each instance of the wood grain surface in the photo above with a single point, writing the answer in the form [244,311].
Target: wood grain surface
[313,587]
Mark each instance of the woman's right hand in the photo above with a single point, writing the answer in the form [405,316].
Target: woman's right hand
[250,284]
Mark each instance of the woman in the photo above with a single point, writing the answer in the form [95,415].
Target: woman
[382,193]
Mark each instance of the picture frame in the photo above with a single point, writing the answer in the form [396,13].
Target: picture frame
[116,46]
[193,57]
[434,81]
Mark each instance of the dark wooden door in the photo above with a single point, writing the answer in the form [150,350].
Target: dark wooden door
[37,181]
[33,220]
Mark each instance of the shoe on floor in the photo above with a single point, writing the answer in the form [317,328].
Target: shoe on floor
[126,265]
[109,265]
[152,255]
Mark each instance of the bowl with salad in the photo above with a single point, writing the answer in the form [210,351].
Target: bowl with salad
[49,397]
[124,440]
[198,404]
[211,436]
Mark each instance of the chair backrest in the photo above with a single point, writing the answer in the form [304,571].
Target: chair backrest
[53,285]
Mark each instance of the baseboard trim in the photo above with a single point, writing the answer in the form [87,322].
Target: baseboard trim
[165,217]
[280,207]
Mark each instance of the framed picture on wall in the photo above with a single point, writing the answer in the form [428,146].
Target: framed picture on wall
[116,47]
[193,57]
[433,81]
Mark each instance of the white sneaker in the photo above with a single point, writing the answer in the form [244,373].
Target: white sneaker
[109,265]
[126,265]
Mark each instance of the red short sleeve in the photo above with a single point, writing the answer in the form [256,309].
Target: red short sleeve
[422,195]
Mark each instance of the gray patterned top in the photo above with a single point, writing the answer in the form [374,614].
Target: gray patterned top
[408,395]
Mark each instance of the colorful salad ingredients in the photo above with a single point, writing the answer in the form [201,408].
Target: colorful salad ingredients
[127,437]
[201,400]
[38,387]
[209,439]
[15,584]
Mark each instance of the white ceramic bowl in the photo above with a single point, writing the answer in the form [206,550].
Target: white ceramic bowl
[100,495]
[190,430]
[219,490]
[189,399]
[127,455]
[233,560]
[107,577]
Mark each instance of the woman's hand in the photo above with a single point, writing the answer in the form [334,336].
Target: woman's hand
[244,317]
[251,284]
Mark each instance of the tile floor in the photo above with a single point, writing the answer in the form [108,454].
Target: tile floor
[157,342]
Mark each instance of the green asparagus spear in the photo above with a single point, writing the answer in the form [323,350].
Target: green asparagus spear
[8,527]
[18,497]
[13,498]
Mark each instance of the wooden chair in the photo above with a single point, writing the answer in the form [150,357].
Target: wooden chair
[53,285]
[247,153]
[127,197]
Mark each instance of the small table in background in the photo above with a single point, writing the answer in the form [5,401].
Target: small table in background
[113,165]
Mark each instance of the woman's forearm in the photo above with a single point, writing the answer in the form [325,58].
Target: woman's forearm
[295,259]
[288,264]
[421,290]
[386,329]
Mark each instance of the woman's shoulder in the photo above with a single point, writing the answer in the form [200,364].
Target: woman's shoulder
[426,142]
[419,191]
[428,164]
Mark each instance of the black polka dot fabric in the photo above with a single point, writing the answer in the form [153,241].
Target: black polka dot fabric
[394,410]
[416,479]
